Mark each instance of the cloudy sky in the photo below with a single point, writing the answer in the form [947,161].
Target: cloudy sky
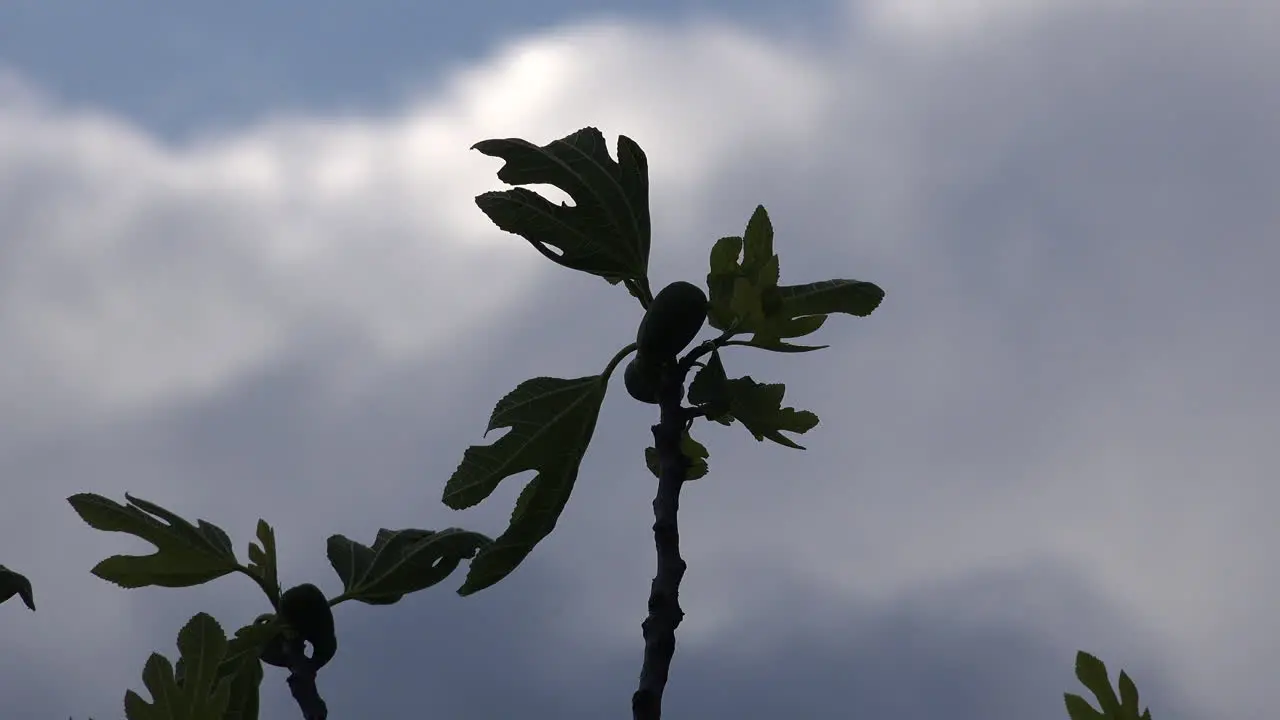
[242,275]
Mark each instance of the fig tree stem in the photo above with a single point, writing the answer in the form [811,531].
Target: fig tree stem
[664,616]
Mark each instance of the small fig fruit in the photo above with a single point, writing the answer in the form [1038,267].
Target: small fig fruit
[641,378]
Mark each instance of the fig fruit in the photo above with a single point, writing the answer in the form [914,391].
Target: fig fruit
[307,612]
[641,378]
[672,321]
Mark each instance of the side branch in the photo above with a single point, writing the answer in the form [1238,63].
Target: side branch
[664,604]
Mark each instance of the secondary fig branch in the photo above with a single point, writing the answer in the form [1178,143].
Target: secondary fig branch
[724,338]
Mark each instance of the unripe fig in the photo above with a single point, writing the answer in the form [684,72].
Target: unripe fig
[672,321]
[307,612]
[641,378]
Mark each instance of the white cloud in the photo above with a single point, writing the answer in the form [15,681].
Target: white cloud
[138,270]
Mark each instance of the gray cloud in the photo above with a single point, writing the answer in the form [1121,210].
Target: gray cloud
[1050,438]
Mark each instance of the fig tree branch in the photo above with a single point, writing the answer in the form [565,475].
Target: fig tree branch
[664,616]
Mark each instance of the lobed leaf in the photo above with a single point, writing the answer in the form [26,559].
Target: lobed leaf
[1079,709]
[201,695]
[852,297]
[757,242]
[759,408]
[552,421]
[12,583]
[242,665]
[607,230]
[185,554]
[246,681]
[400,561]
[262,561]
[747,304]
[1092,673]
[744,293]
[724,256]
[710,388]
[1128,696]
[720,281]
[778,346]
